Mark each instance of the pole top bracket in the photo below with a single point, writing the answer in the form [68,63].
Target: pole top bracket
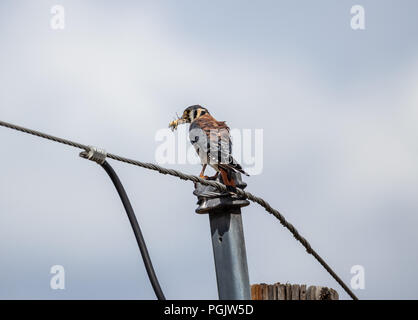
[94,154]
[210,199]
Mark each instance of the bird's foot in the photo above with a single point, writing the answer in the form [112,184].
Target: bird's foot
[208,178]
[213,177]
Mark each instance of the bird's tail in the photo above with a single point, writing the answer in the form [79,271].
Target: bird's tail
[233,165]
[226,170]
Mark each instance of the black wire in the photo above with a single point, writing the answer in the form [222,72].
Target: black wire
[137,230]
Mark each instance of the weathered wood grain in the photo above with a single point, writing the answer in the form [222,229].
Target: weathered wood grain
[281,292]
[310,293]
[265,292]
[302,293]
[334,294]
[253,292]
[289,291]
[270,292]
[295,292]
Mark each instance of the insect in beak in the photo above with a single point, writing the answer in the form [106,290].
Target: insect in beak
[175,123]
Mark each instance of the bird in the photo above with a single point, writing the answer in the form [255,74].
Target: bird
[212,142]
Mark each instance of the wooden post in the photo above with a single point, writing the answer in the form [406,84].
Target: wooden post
[302,294]
[295,292]
[288,291]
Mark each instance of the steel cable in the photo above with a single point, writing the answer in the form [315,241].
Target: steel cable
[196,179]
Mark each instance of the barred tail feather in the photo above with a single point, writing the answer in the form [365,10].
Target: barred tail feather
[233,165]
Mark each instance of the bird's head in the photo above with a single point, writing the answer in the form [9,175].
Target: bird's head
[189,115]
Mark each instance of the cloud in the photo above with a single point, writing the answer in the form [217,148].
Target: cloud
[339,160]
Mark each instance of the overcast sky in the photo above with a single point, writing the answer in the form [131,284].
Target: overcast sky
[338,109]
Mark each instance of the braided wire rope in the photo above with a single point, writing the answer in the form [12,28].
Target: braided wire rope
[219,186]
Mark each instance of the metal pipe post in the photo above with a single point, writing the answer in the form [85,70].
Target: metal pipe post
[230,254]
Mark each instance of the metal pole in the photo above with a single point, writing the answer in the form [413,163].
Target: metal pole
[230,254]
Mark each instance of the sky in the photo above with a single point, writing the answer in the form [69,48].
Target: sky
[338,109]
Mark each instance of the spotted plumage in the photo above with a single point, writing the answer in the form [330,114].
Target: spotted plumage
[212,142]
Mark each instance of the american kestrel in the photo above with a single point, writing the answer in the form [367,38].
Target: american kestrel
[212,142]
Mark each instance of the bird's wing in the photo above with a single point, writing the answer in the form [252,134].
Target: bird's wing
[213,143]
